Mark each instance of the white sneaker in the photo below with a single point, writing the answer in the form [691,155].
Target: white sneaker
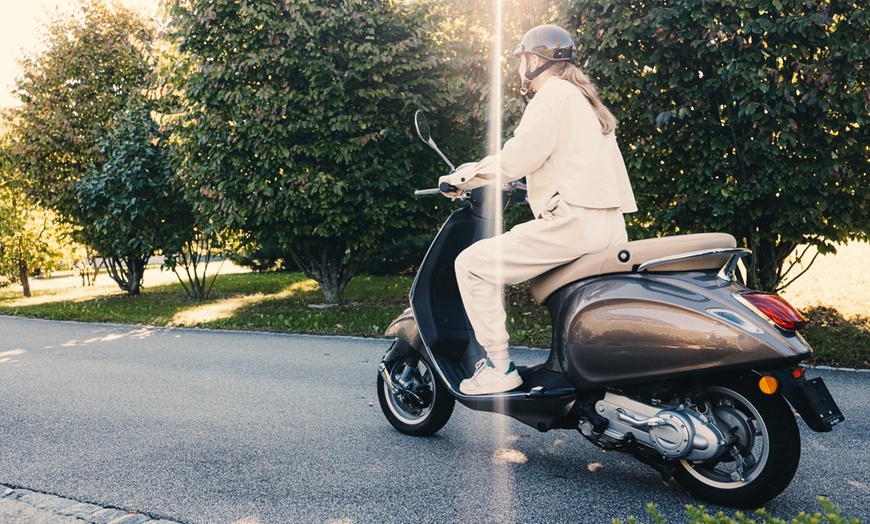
[487,379]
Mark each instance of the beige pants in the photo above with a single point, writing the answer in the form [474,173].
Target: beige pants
[561,234]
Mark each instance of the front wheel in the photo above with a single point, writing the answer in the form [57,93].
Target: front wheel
[763,461]
[418,404]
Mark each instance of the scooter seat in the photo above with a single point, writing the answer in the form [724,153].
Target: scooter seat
[626,258]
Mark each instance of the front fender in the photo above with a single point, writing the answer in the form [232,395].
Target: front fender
[407,335]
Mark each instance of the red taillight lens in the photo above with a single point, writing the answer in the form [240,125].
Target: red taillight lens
[778,310]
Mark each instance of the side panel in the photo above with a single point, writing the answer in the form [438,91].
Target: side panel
[631,328]
[435,297]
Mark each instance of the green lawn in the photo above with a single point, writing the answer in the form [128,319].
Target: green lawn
[288,302]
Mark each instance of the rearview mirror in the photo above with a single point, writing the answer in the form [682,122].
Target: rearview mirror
[422,126]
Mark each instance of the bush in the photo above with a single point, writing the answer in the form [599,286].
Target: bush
[401,258]
[699,514]
[265,256]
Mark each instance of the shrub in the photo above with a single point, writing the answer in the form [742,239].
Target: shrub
[700,514]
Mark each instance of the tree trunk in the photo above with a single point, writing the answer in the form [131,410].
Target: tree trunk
[331,264]
[25,278]
[136,271]
[768,257]
[332,289]
[127,272]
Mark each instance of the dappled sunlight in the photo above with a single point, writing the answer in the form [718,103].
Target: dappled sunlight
[509,456]
[107,338]
[594,466]
[840,281]
[217,310]
[6,356]
[62,294]
[250,519]
[67,287]
[226,308]
[860,485]
[138,333]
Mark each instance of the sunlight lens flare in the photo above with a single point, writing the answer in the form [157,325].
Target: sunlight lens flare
[503,478]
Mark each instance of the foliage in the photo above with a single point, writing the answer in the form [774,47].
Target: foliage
[91,67]
[401,257]
[298,116]
[298,124]
[278,301]
[700,514]
[192,256]
[749,119]
[264,254]
[30,237]
[127,207]
[31,240]
[836,340]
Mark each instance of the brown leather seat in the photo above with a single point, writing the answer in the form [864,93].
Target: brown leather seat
[624,258]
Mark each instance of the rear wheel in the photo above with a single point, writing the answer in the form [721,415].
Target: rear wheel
[762,462]
[420,404]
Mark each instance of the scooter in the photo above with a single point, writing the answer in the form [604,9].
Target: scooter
[657,351]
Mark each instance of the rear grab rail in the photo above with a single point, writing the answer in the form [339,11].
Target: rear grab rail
[725,273]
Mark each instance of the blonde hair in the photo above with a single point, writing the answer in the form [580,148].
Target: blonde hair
[573,74]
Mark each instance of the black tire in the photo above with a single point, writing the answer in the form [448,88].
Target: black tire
[422,414]
[768,433]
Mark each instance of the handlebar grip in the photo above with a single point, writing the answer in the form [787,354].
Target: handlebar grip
[444,187]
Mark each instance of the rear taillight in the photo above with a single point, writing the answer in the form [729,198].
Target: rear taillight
[776,309]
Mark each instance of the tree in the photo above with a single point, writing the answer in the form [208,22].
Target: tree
[192,253]
[30,238]
[298,123]
[745,118]
[128,202]
[92,66]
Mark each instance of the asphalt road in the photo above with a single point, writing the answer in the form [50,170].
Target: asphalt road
[226,427]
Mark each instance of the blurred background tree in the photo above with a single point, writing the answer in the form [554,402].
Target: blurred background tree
[748,119]
[128,202]
[92,66]
[32,241]
[297,125]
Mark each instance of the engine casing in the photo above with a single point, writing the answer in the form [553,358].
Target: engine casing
[674,432]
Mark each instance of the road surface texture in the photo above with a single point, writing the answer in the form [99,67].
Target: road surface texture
[197,426]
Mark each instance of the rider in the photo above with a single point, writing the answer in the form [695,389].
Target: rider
[578,190]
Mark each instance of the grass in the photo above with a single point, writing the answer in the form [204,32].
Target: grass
[278,302]
[833,296]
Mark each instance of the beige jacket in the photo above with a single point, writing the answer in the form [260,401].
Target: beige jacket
[559,148]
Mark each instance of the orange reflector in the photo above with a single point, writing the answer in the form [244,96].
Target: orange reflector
[798,372]
[768,385]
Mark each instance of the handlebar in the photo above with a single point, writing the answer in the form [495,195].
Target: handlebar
[443,188]
[516,190]
[447,188]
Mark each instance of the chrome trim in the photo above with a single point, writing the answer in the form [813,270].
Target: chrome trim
[727,271]
[651,422]
[733,318]
[737,252]
[388,380]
